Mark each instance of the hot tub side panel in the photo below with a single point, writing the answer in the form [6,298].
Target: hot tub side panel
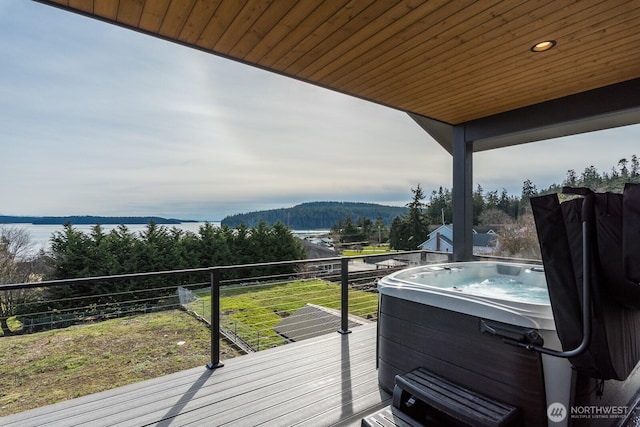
[450,344]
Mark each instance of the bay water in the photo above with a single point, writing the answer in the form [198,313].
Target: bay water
[40,234]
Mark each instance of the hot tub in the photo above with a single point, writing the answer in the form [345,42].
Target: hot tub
[454,319]
[512,293]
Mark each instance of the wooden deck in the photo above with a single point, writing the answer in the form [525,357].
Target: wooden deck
[329,380]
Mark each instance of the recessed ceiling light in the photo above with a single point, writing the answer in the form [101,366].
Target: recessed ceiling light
[543,46]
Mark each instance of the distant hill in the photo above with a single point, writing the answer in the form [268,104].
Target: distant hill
[87,220]
[316,215]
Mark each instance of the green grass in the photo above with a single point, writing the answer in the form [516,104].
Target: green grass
[52,366]
[252,311]
[368,250]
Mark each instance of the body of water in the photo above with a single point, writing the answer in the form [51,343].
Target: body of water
[41,234]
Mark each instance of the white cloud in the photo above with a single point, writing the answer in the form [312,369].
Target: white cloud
[97,119]
[547,162]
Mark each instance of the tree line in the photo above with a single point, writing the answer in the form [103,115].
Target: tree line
[77,254]
[317,215]
[494,208]
[406,231]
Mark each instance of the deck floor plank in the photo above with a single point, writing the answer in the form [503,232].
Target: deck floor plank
[285,396]
[323,381]
[224,403]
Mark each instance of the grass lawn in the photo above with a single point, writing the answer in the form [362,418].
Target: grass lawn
[251,312]
[369,250]
[47,367]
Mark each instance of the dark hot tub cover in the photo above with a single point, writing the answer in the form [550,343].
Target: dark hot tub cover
[631,231]
[614,267]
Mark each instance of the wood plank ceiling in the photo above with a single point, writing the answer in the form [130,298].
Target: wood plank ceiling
[452,61]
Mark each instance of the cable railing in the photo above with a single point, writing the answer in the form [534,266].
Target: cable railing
[153,291]
[284,302]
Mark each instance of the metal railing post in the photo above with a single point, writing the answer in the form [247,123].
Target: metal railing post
[344,296]
[215,320]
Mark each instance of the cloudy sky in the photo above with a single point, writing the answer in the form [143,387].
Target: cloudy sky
[98,120]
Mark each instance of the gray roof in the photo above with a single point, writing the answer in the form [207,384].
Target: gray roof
[314,251]
[479,238]
[310,321]
[484,239]
[391,263]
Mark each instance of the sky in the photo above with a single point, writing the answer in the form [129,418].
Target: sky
[99,120]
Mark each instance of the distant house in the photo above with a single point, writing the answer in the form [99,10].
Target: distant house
[391,263]
[441,240]
[310,321]
[319,251]
[316,248]
[321,241]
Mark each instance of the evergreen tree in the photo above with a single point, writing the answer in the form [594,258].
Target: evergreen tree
[635,167]
[590,178]
[529,190]
[413,229]
[398,234]
[72,258]
[418,221]
[102,259]
[350,232]
[491,200]
[69,249]
[509,204]
[121,242]
[366,226]
[624,172]
[572,179]
[213,246]
[478,204]
[76,254]
[440,207]
[286,245]
[239,243]
[153,249]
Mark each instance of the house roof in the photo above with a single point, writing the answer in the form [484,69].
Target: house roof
[445,63]
[310,321]
[313,251]
[479,239]
[443,227]
[391,263]
[484,239]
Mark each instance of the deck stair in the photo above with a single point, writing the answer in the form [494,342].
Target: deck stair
[422,398]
